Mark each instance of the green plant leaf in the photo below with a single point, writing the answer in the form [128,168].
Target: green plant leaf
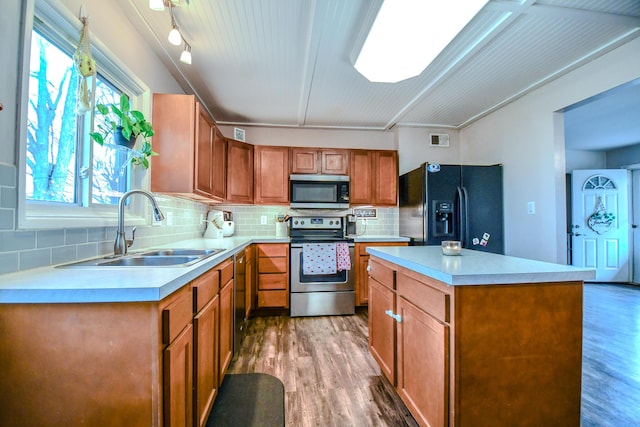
[97,137]
[125,106]
[102,109]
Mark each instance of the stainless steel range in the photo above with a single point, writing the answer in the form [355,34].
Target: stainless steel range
[321,267]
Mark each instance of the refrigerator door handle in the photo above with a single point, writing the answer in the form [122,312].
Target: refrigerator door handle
[467,238]
[462,217]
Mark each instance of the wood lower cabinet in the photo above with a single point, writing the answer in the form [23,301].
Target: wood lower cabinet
[271,175]
[374,177]
[273,275]
[226,318]
[240,172]
[478,355]
[178,380]
[309,160]
[361,263]
[250,272]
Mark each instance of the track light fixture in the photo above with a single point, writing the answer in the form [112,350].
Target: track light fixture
[185,56]
[175,36]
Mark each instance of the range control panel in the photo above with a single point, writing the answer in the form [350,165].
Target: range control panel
[316,223]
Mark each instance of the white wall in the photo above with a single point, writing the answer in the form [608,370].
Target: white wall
[523,136]
[579,159]
[328,138]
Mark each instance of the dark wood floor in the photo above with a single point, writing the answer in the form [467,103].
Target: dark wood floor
[331,379]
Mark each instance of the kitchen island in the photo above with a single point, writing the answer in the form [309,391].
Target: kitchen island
[478,339]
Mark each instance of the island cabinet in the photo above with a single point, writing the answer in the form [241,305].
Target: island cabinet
[361,273]
[273,275]
[374,177]
[478,355]
[271,176]
[192,151]
[240,172]
[308,160]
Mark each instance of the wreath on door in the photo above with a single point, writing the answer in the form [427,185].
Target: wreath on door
[600,220]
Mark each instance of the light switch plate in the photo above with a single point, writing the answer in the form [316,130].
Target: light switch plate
[531,208]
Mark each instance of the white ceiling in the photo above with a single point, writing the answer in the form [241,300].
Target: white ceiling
[290,62]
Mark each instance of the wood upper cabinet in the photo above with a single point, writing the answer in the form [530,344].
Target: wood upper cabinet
[239,172]
[192,153]
[271,178]
[218,165]
[374,177]
[319,161]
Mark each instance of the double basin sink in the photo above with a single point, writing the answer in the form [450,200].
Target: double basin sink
[152,258]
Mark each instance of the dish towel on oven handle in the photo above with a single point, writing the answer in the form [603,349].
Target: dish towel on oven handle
[343,260]
[318,258]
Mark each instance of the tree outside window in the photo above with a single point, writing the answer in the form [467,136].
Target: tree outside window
[57,138]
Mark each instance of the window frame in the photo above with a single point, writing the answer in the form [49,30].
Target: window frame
[64,28]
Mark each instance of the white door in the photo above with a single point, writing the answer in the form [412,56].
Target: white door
[635,186]
[600,222]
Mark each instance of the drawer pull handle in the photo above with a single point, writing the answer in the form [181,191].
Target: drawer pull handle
[396,317]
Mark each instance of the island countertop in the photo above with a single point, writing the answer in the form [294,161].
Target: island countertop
[478,268]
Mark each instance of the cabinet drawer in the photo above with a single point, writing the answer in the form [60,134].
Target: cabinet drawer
[273,299]
[272,281]
[176,316]
[424,297]
[204,288]
[382,274]
[273,250]
[226,271]
[272,265]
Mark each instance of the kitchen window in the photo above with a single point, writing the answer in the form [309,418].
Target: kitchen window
[66,179]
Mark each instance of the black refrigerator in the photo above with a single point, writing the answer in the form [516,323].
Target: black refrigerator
[453,202]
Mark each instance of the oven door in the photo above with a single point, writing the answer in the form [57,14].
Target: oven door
[340,281]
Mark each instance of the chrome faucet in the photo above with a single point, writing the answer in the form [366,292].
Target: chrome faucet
[122,244]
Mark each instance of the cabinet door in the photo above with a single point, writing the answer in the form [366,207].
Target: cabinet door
[218,165]
[304,160]
[226,329]
[239,172]
[205,332]
[385,165]
[335,162]
[204,152]
[178,380]
[382,328]
[423,365]
[361,177]
[250,281]
[271,175]
[362,280]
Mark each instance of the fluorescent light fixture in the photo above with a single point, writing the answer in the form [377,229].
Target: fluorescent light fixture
[157,5]
[407,35]
[185,56]
[174,36]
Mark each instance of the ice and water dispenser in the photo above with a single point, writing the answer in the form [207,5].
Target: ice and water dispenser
[442,218]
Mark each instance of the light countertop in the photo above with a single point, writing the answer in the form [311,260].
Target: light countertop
[475,268]
[118,284]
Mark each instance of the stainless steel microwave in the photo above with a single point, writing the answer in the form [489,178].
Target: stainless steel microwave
[319,191]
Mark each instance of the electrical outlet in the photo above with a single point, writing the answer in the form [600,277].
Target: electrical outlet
[169,218]
[263,219]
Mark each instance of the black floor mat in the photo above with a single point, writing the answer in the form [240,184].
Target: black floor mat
[246,400]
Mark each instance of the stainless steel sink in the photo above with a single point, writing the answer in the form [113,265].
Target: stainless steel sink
[150,261]
[182,252]
[152,258]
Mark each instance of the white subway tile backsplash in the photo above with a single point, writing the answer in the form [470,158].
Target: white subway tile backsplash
[9,262]
[35,258]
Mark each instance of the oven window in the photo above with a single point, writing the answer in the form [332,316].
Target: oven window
[339,277]
[314,192]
